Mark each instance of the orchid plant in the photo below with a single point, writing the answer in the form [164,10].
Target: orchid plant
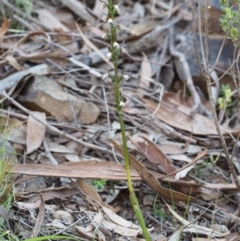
[115,49]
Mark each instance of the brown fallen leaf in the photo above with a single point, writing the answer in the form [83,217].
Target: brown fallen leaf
[35,131]
[95,170]
[117,224]
[4,27]
[175,148]
[155,155]
[47,95]
[91,193]
[144,27]
[179,117]
[152,181]
[88,233]
[187,101]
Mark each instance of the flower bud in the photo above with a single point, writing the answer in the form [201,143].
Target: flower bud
[109,56]
[117,9]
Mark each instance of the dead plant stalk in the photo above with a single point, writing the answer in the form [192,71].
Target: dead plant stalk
[207,76]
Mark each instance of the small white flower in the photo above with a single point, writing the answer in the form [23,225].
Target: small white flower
[116,45]
[122,103]
[103,5]
[126,77]
[123,50]
[109,56]
[105,18]
[117,8]
[110,20]
[104,36]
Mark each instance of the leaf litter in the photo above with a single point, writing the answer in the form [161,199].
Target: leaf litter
[60,114]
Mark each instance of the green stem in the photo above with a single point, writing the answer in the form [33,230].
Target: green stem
[138,212]
[133,197]
[124,138]
[116,80]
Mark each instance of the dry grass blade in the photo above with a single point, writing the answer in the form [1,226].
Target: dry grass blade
[5,215]
[40,219]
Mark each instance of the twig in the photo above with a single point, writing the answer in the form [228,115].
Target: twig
[233,70]
[70,226]
[48,153]
[194,34]
[162,55]
[170,9]
[24,23]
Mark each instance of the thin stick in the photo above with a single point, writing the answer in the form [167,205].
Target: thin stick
[195,38]
[48,153]
[200,35]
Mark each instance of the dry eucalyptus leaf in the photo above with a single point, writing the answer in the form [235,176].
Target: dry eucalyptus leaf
[35,131]
[4,27]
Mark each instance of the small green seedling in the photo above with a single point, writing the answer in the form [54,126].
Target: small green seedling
[230,20]
[157,210]
[225,100]
[201,170]
[157,213]
[24,5]
[99,184]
